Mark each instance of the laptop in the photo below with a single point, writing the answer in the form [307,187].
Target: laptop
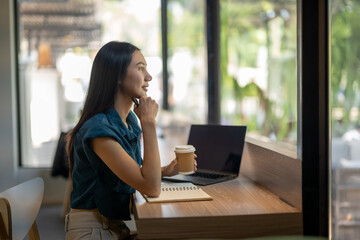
[219,151]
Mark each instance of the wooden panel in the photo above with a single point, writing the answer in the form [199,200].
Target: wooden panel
[275,168]
[240,226]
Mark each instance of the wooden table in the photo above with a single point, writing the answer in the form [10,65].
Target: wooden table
[240,208]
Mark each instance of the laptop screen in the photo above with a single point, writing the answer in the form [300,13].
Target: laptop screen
[218,148]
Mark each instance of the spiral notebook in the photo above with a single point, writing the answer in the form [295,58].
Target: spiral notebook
[179,192]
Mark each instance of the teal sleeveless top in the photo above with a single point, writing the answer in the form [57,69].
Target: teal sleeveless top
[94,184]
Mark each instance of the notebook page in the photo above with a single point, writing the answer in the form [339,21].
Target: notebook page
[179,192]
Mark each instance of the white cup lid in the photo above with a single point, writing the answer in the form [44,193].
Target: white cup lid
[184,149]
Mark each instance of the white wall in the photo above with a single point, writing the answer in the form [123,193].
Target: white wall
[8,146]
[10,172]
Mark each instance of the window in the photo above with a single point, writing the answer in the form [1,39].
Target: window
[258,66]
[187,59]
[345,124]
[57,42]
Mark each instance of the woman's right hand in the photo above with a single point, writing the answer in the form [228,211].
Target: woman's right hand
[147,109]
[172,168]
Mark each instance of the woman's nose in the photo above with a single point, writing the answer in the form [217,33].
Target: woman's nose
[148,77]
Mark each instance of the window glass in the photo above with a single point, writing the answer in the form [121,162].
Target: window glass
[258,67]
[187,59]
[345,125]
[57,42]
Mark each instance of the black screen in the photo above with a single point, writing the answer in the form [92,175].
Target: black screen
[218,147]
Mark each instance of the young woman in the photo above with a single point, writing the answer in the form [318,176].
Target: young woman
[104,147]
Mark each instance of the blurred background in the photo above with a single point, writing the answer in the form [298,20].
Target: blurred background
[58,40]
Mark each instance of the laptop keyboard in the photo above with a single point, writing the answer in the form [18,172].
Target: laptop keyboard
[207,175]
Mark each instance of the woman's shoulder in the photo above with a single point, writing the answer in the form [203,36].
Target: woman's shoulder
[98,119]
[96,123]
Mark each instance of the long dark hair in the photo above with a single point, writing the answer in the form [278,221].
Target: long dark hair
[108,69]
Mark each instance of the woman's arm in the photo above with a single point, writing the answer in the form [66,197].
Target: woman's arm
[146,179]
[124,167]
[151,167]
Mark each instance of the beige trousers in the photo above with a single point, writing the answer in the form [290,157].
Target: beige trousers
[93,225]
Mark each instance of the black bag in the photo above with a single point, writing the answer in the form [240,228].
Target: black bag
[61,162]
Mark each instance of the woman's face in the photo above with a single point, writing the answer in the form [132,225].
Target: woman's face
[137,79]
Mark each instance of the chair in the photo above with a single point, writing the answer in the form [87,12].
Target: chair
[19,207]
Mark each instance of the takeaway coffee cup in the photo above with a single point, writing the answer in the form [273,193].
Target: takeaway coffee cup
[185,158]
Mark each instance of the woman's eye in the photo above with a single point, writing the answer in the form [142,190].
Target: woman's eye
[141,69]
